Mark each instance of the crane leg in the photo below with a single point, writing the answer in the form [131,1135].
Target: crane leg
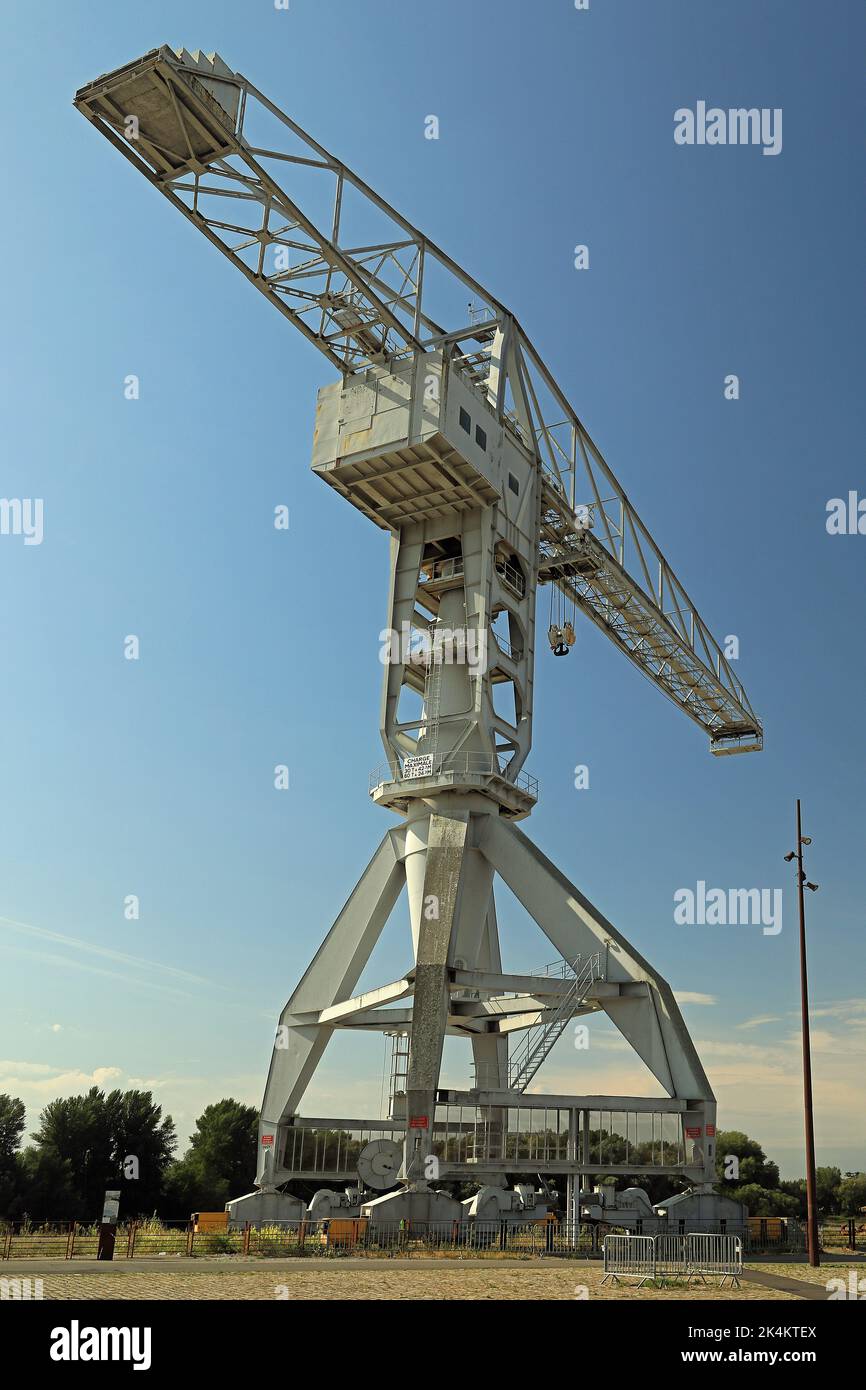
[643,1007]
[490,1050]
[436,914]
[330,978]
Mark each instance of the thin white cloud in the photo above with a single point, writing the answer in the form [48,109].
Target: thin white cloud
[690,996]
[118,957]
[846,1010]
[86,968]
[168,985]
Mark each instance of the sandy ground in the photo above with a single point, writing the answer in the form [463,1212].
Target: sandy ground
[363,1280]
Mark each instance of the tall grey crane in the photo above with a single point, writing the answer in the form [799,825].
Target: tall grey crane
[448,431]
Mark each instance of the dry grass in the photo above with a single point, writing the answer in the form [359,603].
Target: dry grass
[835,1269]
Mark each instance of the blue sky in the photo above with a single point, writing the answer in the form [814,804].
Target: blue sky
[257,647]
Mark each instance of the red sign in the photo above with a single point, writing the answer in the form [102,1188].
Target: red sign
[693,1131]
[711,1131]
[267,1141]
[417,1121]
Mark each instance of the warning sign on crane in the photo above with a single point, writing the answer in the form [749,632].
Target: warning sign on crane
[420,766]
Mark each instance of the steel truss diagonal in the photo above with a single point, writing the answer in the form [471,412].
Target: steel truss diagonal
[369,289]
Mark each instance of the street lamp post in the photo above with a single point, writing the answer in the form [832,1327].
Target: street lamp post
[811,1206]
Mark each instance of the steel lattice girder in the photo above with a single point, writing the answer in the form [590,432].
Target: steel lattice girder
[367,287]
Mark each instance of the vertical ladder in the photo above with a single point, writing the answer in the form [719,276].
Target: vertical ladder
[433,694]
[399,1074]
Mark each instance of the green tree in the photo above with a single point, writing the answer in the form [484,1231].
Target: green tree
[12,1121]
[77,1130]
[852,1194]
[220,1162]
[753,1166]
[95,1134]
[142,1146]
[763,1201]
[796,1188]
[827,1182]
[46,1188]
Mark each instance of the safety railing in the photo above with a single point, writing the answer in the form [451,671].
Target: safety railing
[433,571]
[453,765]
[511,577]
[513,650]
[559,969]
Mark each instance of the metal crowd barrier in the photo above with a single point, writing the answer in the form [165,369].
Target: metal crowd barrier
[669,1256]
[629,1257]
[714,1254]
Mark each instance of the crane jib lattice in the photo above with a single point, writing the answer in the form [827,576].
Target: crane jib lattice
[367,288]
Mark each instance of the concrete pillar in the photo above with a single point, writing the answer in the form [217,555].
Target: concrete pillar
[436,917]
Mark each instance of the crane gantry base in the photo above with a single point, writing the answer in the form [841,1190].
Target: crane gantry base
[447,857]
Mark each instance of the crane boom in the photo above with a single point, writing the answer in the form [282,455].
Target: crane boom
[368,289]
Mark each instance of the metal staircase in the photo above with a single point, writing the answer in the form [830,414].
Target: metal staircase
[540,1039]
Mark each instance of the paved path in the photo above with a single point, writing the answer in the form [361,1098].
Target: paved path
[781,1281]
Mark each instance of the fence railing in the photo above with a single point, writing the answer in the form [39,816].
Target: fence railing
[338,1236]
[79,1240]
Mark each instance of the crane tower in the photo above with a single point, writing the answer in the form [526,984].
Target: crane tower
[446,429]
